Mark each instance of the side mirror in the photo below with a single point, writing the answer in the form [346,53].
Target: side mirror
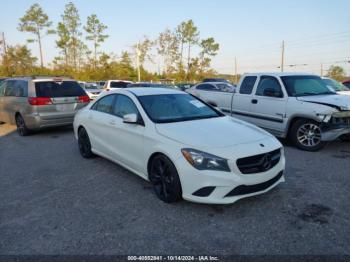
[271,92]
[130,119]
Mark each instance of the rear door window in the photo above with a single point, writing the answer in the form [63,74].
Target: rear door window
[10,88]
[247,85]
[21,88]
[59,89]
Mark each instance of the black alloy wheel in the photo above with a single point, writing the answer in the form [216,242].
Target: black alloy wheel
[165,179]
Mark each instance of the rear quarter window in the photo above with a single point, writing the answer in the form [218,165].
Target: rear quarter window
[58,89]
[247,85]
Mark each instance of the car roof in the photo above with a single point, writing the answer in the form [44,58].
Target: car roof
[279,74]
[215,83]
[116,80]
[145,91]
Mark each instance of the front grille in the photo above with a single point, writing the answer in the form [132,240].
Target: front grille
[259,163]
[244,190]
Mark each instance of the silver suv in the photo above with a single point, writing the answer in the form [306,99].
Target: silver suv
[34,103]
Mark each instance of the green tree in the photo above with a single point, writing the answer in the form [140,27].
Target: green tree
[70,27]
[191,38]
[336,72]
[181,38]
[209,50]
[20,60]
[168,48]
[35,21]
[63,42]
[95,33]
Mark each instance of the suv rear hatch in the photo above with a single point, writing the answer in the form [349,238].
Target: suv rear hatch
[58,98]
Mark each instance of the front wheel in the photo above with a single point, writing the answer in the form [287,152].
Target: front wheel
[306,135]
[165,179]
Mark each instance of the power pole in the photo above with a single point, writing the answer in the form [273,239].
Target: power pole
[282,57]
[5,52]
[138,63]
[236,77]
[321,70]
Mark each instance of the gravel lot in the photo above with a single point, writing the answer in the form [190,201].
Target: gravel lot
[52,201]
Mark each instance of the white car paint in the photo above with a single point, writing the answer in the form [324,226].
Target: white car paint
[132,145]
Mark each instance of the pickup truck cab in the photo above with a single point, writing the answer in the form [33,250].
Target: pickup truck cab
[297,106]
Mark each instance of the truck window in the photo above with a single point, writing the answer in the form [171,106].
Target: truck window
[247,85]
[269,86]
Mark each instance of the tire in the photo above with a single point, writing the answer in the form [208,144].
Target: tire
[84,143]
[21,126]
[345,138]
[165,179]
[306,135]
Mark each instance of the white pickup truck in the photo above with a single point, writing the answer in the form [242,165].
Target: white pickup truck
[294,105]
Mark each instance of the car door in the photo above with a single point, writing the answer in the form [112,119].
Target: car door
[100,126]
[268,104]
[241,102]
[128,139]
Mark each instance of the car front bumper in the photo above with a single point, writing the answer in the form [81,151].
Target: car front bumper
[332,132]
[217,187]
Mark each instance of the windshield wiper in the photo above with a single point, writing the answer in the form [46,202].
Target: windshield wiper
[315,94]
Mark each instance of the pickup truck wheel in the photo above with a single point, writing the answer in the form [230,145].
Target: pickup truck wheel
[306,135]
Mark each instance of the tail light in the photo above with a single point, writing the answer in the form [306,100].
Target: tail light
[39,101]
[83,99]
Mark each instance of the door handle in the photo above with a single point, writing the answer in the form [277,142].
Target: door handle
[254,101]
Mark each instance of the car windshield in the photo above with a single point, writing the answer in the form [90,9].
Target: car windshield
[335,85]
[304,85]
[170,108]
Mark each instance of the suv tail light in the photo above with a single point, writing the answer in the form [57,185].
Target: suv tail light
[83,99]
[39,101]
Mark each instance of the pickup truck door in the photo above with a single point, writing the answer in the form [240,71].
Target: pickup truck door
[241,101]
[268,104]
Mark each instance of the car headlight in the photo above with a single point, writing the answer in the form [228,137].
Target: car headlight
[204,161]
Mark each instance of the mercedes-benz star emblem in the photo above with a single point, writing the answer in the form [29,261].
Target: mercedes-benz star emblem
[266,162]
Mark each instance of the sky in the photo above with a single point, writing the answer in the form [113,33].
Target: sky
[315,31]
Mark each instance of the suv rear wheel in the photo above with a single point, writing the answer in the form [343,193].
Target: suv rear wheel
[306,135]
[21,126]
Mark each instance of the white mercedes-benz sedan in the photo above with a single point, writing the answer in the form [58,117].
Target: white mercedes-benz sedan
[184,147]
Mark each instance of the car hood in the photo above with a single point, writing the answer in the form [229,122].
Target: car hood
[213,133]
[340,102]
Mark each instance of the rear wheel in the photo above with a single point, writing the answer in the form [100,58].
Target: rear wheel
[84,143]
[306,135]
[165,179]
[21,126]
